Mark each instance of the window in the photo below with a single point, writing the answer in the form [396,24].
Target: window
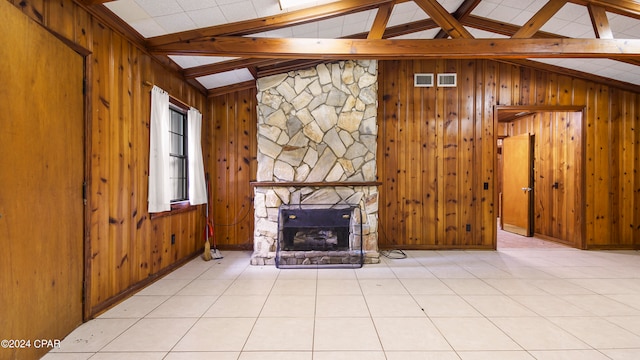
[176,167]
[178,161]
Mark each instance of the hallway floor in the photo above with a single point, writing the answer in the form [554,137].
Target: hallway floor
[542,302]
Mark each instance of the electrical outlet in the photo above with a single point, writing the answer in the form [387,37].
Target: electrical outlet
[173,239]
[468,227]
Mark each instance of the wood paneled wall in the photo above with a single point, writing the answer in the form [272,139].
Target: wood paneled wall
[435,155]
[437,151]
[126,248]
[230,150]
[127,245]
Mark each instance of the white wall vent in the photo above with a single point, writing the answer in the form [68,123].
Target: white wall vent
[423,80]
[448,80]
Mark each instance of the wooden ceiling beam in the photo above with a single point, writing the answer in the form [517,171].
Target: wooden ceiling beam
[509,29]
[247,27]
[462,12]
[266,67]
[409,28]
[281,66]
[405,49]
[223,66]
[501,28]
[539,19]
[600,22]
[380,22]
[622,7]
[446,21]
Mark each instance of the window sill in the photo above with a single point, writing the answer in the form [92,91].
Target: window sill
[176,208]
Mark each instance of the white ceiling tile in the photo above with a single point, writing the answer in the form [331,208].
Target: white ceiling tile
[536,5]
[406,12]
[306,4]
[361,16]
[176,22]
[309,30]
[357,23]
[279,33]
[451,5]
[266,7]
[571,21]
[226,2]
[192,61]
[573,13]
[504,13]
[555,25]
[482,34]
[578,31]
[190,5]
[238,11]
[624,27]
[207,17]
[127,10]
[147,28]
[515,4]
[226,78]
[330,28]
[484,8]
[160,7]
[522,17]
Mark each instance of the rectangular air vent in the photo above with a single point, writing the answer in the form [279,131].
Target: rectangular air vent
[447,80]
[423,80]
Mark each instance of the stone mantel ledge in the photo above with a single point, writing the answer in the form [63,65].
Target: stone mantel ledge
[314,184]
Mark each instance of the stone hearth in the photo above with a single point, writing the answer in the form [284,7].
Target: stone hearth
[317,143]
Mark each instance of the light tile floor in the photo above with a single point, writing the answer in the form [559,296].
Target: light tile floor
[528,300]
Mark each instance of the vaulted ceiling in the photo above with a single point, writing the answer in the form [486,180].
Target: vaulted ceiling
[222,43]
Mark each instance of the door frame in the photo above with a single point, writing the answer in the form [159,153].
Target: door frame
[509,113]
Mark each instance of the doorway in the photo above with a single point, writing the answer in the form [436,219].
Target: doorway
[557,184]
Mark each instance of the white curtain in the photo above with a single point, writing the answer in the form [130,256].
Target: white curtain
[159,189]
[197,182]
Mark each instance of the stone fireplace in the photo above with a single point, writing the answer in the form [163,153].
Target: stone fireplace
[317,140]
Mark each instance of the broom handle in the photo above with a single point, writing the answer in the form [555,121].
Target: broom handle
[206,231]
[209,223]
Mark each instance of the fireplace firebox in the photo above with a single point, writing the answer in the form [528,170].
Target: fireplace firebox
[319,235]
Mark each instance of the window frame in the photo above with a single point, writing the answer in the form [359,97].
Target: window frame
[184,156]
[179,206]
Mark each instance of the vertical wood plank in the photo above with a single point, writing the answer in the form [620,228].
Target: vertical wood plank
[602,168]
[487,145]
[466,144]
[390,210]
[451,151]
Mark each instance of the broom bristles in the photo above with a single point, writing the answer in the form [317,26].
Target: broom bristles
[207,251]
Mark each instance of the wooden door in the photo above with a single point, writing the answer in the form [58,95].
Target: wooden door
[517,191]
[41,176]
